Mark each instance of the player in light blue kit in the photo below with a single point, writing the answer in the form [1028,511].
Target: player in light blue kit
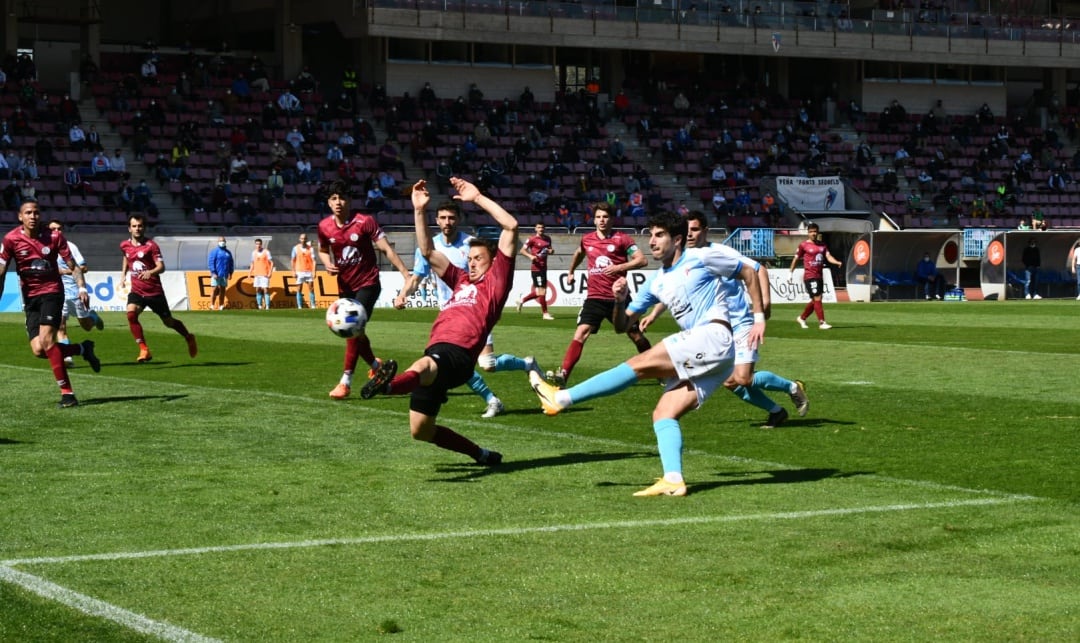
[744,381]
[694,362]
[454,244]
[88,319]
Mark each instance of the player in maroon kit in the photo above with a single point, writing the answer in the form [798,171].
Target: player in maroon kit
[36,251]
[347,244]
[814,254]
[142,258]
[610,255]
[462,327]
[537,249]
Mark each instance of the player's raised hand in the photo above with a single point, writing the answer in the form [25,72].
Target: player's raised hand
[420,195]
[465,191]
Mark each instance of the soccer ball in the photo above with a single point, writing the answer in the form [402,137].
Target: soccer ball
[346,318]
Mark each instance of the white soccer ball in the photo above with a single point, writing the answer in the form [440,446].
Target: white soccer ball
[346,318]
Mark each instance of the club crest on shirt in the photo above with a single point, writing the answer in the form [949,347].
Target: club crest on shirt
[464,296]
[354,237]
[349,255]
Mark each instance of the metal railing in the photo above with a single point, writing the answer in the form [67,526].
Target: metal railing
[786,15]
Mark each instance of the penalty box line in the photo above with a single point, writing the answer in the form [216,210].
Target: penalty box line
[91,606]
[514,531]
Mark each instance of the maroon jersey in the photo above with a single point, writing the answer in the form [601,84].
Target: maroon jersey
[142,257]
[602,253]
[474,308]
[539,246]
[352,249]
[36,260]
[813,255]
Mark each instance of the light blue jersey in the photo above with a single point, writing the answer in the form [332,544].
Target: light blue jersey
[457,253]
[693,288]
[71,289]
[740,308]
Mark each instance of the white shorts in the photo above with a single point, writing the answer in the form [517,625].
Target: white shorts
[743,354]
[75,307]
[261,282]
[703,356]
[305,278]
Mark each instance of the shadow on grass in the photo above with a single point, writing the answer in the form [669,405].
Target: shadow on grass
[10,441]
[130,398]
[780,476]
[472,471]
[805,423]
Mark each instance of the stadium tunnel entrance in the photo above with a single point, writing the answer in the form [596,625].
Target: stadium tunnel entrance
[1001,269]
[881,264]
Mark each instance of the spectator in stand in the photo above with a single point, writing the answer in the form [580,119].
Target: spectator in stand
[376,200]
[93,139]
[73,182]
[101,167]
[191,200]
[28,192]
[241,88]
[295,140]
[720,204]
[275,183]
[389,159]
[248,214]
[269,115]
[305,173]
[144,200]
[901,158]
[149,72]
[305,82]
[1056,182]
[347,144]
[239,171]
[11,195]
[278,154]
[289,104]
[76,137]
[334,155]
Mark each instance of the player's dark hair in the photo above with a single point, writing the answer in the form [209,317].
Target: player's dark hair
[491,245]
[452,206]
[813,226]
[136,217]
[671,222]
[699,216]
[340,188]
[604,206]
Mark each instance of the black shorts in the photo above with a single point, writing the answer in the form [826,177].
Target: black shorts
[814,287]
[158,303]
[539,278]
[43,310]
[456,366]
[366,296]
[595,311]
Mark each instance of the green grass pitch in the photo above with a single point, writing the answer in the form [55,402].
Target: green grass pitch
[930,493]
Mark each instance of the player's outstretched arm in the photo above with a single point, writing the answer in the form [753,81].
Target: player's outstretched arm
[508,240]
[749,277]
[420,199]
[621,319]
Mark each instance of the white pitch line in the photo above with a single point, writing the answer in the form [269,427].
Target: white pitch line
[611,442]
[94,607]
[509,531]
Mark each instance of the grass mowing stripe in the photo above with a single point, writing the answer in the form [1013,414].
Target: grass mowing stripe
[611,442]
[511,531]
[94,607]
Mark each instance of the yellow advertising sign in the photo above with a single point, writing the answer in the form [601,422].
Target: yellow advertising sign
[240,293]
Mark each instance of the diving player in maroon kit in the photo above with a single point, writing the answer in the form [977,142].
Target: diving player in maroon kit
[462,327]
[814,254]
[36,251]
